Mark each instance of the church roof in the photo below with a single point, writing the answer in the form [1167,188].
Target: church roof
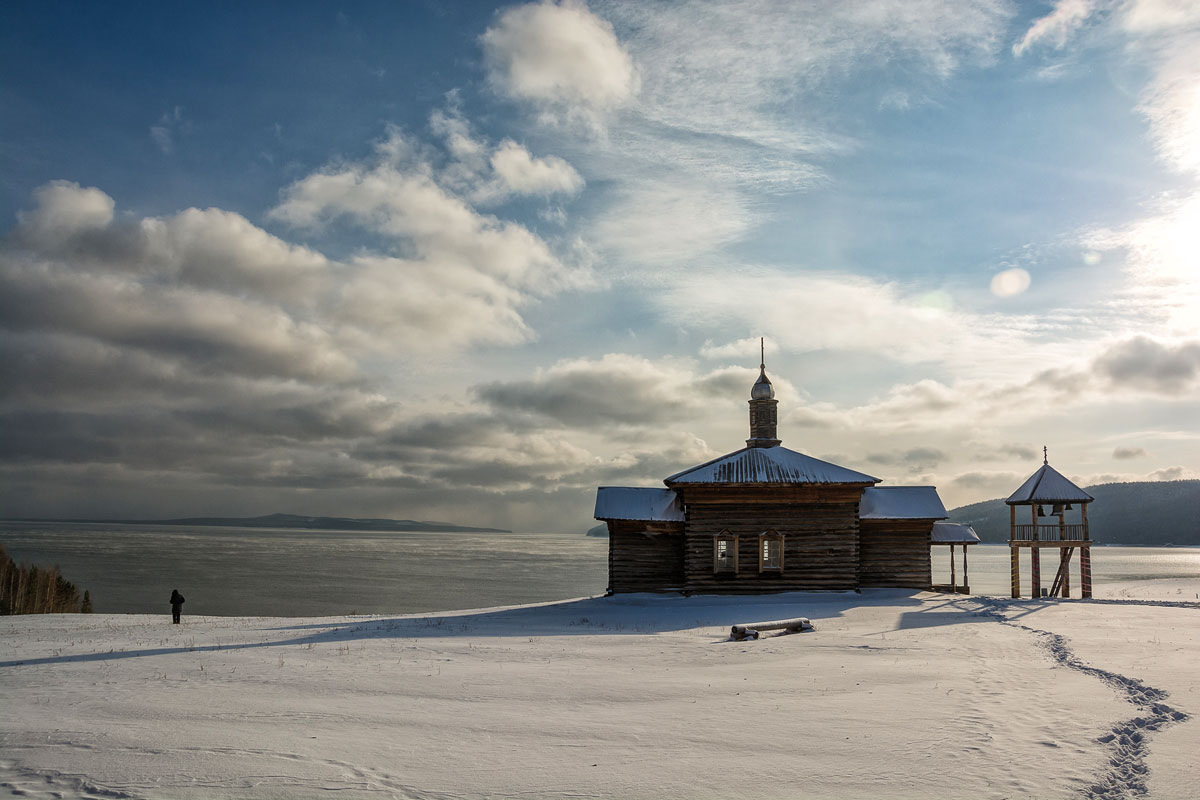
[901,502]
[767,465]
[954,533]
[648,505]
[1047,485]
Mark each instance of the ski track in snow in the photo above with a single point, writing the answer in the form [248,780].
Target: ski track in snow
[1128,739]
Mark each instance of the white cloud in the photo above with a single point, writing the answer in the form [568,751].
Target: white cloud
[813,311]
[406,203]
[64,209]
[738,350]
[619,389]
[523,174]
[1059,25]
[1160,259]
[560,57]
[735,104]
[163,132]
[663,223]
[1171,102]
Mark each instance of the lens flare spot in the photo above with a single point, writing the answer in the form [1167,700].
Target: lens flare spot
[1010,282]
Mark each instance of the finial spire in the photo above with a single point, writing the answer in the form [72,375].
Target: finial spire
[1045,455]
[762,352]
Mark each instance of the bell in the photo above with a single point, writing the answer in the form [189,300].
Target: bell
[1067,507]
[1041,511]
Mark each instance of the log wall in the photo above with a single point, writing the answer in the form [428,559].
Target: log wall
[895,553]
[819,526]
[644,558]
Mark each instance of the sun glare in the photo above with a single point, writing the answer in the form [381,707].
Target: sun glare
[1010,282]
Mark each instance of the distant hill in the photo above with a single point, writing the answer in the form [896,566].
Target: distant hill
[303,523]
[1154,513]
[600,530]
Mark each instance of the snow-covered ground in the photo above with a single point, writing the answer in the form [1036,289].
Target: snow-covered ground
[894,695]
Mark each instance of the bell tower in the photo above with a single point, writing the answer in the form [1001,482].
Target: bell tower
[764,414]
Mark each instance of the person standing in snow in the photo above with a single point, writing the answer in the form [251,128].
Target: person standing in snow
[176,606]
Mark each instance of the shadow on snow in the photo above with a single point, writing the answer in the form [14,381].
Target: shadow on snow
[625,614]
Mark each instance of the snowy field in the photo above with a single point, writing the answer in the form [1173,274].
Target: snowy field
[895,694]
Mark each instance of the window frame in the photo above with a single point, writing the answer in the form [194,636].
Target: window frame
[731,541]
[765,539]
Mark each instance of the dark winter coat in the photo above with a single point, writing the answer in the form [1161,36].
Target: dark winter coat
[176,599]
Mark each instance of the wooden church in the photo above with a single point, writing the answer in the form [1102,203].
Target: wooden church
[768,519]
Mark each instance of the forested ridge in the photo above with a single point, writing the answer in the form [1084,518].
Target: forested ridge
[1146,512]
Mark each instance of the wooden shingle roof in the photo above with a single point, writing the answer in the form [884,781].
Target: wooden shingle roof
[767,465]
[1048,485]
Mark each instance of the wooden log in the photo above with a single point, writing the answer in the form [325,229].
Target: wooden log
[751,630]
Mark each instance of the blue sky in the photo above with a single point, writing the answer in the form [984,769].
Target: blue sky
[468,261]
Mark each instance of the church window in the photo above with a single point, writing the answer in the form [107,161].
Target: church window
[725,555]
[770,552]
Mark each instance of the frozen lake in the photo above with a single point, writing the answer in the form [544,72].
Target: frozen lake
[131,569]
[255,571]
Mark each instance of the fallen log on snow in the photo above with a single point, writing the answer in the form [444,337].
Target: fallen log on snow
[751,630]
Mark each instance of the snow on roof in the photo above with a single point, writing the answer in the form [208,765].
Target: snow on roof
[768,465]
[1047,485]
[626,502]
[901,502]
[954,533]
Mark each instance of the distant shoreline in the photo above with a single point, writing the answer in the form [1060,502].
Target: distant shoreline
[288,521]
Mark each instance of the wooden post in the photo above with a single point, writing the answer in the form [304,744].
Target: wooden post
[1064,564]
[953,577]
[1035,555]
[1085,571]
[1085,557]
[1012,522]
[1016,570]
[966,583]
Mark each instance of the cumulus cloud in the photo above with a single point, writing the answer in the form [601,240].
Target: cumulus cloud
[560,57]
[523,174]
[616,389]
[1146,364]
[63,209]
[1175,473]
[203,287]
[401,200]
[916,459]
[997,481]
[485,174]
[466,274]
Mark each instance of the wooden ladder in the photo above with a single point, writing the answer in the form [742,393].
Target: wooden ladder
[1064,564]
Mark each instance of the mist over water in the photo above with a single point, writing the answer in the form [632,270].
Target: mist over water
[254,571]
[264,572]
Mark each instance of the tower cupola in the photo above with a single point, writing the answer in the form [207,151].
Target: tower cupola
[764,412]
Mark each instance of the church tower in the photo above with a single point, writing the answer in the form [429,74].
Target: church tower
[764,412]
